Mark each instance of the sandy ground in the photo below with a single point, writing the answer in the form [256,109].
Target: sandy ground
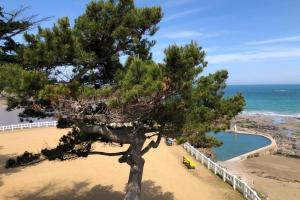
[2,102]
[100,177]
[276,177]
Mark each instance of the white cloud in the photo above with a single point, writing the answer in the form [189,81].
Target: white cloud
[182,34]
[188,34]
[275,40]
[182,14]
[255,55]
[175,2]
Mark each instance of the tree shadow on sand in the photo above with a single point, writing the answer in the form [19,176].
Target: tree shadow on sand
[3,159]
[3,170]
[81,191]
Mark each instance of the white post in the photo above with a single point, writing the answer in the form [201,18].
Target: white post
[215,168]
[234,182]
[224,175]
[208,163]
[202,158]
[245,190]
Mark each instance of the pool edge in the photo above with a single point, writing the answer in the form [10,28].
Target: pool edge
[272,147]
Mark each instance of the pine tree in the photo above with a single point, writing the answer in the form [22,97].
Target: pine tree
[137,101]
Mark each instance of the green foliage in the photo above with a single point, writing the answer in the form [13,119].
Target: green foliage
[10,26]
[202,141]
[180,70]
[9,74]
[91,92]
[54,93]
[50,47]
[21,83]
[182,65]
[140,79]
[209,109]
[195,104]
[93,46]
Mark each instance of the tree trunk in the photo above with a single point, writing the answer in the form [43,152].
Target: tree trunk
[136,163]
[134,186]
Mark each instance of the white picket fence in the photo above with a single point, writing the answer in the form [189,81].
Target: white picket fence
[234,181]
[27,125]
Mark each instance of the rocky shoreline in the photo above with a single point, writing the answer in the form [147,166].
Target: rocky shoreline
[285,130]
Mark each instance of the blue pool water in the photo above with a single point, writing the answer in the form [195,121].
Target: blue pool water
[237,144]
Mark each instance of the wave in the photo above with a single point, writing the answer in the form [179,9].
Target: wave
[269,113]
[280,90]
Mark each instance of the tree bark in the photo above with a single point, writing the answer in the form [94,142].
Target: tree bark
[134,186]
[136,162]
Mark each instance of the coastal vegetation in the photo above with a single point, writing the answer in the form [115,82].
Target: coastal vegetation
[74,72]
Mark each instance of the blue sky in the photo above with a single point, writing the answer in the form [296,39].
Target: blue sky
[257,41]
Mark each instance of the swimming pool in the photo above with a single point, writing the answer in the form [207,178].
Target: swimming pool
[236,144]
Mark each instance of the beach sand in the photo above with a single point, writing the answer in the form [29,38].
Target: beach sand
[2,102]
[276,177]
[101,177]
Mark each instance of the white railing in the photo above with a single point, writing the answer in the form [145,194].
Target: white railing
[27,125]
[234,181]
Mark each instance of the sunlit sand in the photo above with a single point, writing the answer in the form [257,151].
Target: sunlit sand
[101,177]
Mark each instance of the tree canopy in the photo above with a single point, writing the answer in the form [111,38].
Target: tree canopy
[13,23]
[93,46]
[135,101]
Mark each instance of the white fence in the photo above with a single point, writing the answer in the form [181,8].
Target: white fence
[236,183]
[27,125]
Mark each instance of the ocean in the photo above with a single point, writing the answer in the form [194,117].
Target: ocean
[278,100]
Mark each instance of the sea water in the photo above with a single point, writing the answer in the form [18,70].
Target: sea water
[276,100]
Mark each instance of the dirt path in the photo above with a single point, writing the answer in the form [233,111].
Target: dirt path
[100,177]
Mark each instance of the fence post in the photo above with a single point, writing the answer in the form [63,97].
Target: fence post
[234,182]
[202,158]
[224,175]
[245,190]
[215,168]
[208,163]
